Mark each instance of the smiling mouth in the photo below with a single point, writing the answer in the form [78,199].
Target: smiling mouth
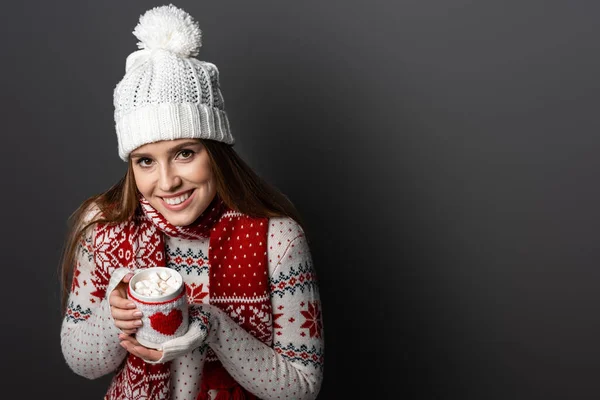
[173,201]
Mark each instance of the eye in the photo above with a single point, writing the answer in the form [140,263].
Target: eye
[186,153]
[144,162]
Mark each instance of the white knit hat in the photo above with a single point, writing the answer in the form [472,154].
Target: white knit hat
[166,92]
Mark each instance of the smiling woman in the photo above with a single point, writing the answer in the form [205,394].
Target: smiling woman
[188,202]
[176,178]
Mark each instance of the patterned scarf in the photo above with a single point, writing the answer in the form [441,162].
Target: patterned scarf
[139,243]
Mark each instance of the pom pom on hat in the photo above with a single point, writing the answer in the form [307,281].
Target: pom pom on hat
[169,28]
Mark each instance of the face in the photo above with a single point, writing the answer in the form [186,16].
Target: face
[175,177]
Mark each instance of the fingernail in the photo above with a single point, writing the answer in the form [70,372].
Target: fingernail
[131,305]
[138,323]
[137,314]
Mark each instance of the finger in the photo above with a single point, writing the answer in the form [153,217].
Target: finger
[127,332]
[127,337]
[148,354]
[141,351]
[126,345]
[128,325]
[116,300]
[127,277]
[125,315]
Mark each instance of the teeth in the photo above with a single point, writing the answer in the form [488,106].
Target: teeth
[177,200]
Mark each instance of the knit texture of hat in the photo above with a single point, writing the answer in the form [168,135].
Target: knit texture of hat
[166,92]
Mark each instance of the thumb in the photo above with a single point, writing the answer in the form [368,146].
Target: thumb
[127,277]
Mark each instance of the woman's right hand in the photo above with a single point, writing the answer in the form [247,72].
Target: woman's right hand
[127,318]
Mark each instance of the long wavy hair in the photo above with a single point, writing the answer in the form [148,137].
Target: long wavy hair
[237,184]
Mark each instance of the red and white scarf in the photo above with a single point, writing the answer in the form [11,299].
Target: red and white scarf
[139,243]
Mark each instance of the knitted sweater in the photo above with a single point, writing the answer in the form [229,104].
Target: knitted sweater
[292,368]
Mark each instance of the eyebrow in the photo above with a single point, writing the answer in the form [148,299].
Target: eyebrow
[172,150]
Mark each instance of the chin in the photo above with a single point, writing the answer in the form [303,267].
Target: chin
[183,218]
[180,220]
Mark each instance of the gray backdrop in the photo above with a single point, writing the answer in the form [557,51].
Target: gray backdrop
[443,153]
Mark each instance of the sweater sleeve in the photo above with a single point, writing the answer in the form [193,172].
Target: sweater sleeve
[89,337]
[293,367]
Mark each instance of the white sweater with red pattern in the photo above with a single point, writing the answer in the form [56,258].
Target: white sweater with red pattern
[291,369]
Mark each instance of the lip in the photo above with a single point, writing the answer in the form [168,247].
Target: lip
[180,206]
[176,194]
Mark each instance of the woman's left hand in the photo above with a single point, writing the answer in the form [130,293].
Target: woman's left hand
[134,347]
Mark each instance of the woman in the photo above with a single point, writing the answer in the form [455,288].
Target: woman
[190,203]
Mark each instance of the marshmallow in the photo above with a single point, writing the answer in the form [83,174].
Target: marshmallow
[173,282]
[169,290]
[164,275]
[157,284]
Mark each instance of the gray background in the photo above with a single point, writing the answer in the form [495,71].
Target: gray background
[443,153]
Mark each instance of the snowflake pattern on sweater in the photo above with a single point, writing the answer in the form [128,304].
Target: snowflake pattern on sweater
[291,368]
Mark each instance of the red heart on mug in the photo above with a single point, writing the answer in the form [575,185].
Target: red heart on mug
[166,324]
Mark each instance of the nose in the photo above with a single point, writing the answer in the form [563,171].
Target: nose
[168,179]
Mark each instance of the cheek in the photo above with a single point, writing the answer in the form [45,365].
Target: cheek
[201,172]
[141,181]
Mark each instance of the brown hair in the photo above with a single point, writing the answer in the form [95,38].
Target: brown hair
[237,184]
